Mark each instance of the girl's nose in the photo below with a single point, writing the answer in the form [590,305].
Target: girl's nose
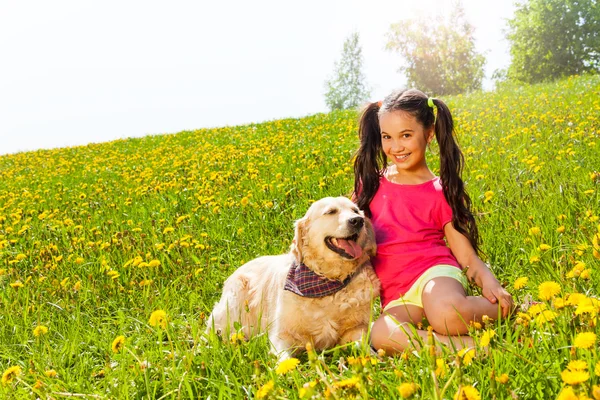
[397,147]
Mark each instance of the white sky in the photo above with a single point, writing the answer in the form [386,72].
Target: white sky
[81,71]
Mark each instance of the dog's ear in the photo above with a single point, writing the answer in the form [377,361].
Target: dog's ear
[371,245]
[298,242]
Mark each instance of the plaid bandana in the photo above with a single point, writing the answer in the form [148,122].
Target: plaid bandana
[302,281]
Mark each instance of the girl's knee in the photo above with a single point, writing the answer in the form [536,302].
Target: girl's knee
[451,318]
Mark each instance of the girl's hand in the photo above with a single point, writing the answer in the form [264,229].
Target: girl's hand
[495,293]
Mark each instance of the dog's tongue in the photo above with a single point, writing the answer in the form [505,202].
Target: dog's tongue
[350,247]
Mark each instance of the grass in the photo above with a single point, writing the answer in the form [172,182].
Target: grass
[94,239]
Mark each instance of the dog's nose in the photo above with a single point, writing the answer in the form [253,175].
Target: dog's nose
[357,222]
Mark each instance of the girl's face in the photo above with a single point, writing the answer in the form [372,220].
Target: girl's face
[404,141]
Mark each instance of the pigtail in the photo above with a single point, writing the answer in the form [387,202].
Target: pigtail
[451,166]
[370,158]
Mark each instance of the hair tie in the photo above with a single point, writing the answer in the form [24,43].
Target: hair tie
[379,104]
[433,108]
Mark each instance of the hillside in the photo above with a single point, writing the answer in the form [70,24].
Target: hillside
[94,239]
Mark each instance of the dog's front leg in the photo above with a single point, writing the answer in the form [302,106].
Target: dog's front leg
[353,335]
[281,344]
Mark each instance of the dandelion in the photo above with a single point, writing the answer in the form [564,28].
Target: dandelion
[287,366]
[154,263]
[488,196]
[11,374]
[441,369]
[597,369]
[503,379]
[244,201]
[534,259]
[40,330]
[348,383]
[574,377]
[535,231]
[467,355]
[467,393]
[50,373]
[16,285]
[265,390]
[486,338]
[560,229]
[585,340]
[118,344]
[567,394]
[544,247]
[521,282]
[548,290]
[158,318]
[407,389]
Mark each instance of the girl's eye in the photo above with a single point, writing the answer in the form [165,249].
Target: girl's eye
[385,136]
[406,135]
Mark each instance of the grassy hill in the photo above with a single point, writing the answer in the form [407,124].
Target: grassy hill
[94,239]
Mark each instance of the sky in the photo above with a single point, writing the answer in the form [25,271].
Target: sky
[83,71]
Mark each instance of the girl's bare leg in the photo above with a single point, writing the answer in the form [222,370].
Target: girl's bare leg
[395,331]
[449,310]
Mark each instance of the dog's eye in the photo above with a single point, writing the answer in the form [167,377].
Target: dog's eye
[356,210]
[331,211]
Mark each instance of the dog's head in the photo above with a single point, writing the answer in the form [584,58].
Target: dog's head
[334,237]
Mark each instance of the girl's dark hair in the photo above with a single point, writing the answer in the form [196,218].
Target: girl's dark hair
[371,161]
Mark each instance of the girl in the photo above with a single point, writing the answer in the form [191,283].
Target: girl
[412,211]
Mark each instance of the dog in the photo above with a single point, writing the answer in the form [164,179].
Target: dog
[321,292]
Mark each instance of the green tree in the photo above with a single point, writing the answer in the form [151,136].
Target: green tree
[347,88]
[439,53]
[554,38]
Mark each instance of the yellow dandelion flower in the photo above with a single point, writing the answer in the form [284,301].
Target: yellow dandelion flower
[167,230]
[587,306]
[567,393]
[488,196]
[577,365]
[486,338]
[546,316]
[467,393]
[596,392]
[407,389]
[558,303]
[467,355]
[521,282]
[40,330]
[548,290]
[560,229]
[534,259]
[544,247]
[597,369]
[441,368]
[50,373]
[574,377]
[503,379]
[154,263]
[158,318]
[585,340]
[11,374]
[118,344]
[287,365]
[535,231]
[574,299]
[265,390]
[17,284]
[244,201]
[348,383]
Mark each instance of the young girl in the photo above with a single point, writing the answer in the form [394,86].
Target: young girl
[412,211]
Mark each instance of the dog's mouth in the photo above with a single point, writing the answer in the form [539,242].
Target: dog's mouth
[345,247]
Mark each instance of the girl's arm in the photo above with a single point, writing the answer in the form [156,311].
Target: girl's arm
[477,270]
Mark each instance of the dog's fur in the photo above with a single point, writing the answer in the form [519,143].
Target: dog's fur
[254,294]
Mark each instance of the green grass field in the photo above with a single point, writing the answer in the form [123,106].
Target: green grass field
[95,239]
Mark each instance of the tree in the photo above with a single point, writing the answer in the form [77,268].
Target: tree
[439,53]
[554,38]
[347,88]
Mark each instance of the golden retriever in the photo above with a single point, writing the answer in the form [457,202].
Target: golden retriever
[280,295]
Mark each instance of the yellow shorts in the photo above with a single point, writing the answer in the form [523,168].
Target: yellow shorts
[414,295]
